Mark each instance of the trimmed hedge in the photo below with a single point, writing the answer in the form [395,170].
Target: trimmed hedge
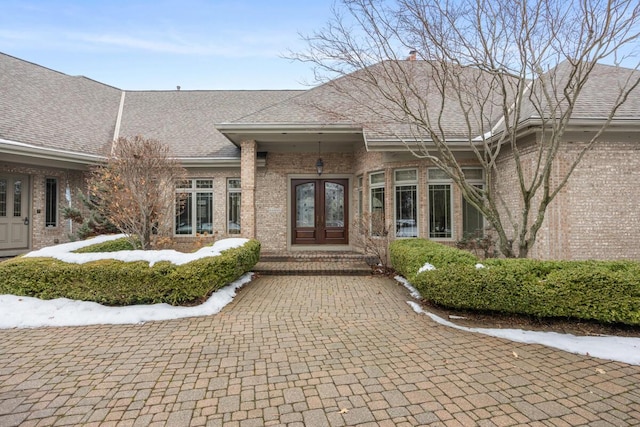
[122,244]
[113,282]
[409,255]
[604,291]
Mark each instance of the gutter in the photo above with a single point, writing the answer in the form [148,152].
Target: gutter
[33,151]
[28,150]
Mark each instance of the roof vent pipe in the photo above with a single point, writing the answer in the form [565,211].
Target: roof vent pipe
[412,55]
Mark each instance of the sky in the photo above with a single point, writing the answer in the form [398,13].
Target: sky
[26,312]
[161,44]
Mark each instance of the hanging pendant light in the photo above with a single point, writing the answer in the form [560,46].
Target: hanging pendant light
[319,163]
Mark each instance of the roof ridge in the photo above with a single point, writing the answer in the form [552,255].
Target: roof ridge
[302,92]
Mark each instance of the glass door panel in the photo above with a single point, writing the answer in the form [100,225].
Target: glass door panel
[334,204]
[305,205]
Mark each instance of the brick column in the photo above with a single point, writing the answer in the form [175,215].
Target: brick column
[248,158]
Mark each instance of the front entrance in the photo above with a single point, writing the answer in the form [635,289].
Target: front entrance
[320,211]
[14,221]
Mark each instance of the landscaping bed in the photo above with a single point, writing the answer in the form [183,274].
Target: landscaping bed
[118,279]
[606,292]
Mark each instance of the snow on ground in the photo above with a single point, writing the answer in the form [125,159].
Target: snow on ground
[64,252]
[26,312]
[621,349]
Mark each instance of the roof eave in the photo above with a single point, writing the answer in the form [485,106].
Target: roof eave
[33,151]
[238,132]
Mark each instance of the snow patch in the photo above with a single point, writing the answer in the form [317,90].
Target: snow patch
[64,252]
[620,349]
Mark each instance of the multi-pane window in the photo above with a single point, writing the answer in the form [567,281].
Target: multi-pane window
[472,219]
[360,182]
[440,205]
[51,203]
[406,197]
[3,197]
[376,200]
[194,212]
[233,205]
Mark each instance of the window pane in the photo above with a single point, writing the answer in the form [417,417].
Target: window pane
[305,205]
[377,212]
[51,203]
[472,220]
[184,184]
[440,211]
[473,173]
[17,198]
[406,211]
[233,206]
[183,216]
[408,175]
[435,174]
[3,197]
[204,183]
[333,204]
[377,178]
[204,213]
[233,183]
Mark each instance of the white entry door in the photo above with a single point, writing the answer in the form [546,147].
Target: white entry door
[14,212]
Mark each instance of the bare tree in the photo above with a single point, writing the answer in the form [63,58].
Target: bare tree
[501,79]
[135,189]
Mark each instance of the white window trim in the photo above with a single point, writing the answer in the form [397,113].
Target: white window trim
[406,183]
[441,181]
[373,186]
[229,191]
[476,182]
[193,190]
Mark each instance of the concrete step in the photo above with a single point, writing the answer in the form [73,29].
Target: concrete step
[313,264]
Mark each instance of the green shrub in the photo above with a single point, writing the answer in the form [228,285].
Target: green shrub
[409,255]
[604,291]
[113,282]
[122,244]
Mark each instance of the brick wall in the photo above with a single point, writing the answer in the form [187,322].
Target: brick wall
[596,216]
[272,186]
[42,236]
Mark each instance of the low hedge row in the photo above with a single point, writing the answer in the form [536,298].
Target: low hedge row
[113,282]
[604,291]
[122,244]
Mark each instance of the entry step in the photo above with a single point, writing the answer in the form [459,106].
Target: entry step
[314,264]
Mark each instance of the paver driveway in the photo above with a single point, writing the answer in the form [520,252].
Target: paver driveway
[315,351]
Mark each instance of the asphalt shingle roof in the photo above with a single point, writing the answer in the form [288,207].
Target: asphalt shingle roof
[185,119]
[46,108]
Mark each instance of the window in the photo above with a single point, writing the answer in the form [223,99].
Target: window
[472,219]
[359,212]
[194,207]
[376,188]
[51,203]
[233,206]
[406,196]
[440,218]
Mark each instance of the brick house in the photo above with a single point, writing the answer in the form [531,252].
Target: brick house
[295,169]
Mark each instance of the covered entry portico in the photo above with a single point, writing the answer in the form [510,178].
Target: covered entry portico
[287,203]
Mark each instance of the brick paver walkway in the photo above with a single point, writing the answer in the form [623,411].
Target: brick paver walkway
[314,351]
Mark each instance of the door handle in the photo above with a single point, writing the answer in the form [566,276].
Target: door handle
[26,220]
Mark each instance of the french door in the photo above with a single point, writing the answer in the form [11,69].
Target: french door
[320,211]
